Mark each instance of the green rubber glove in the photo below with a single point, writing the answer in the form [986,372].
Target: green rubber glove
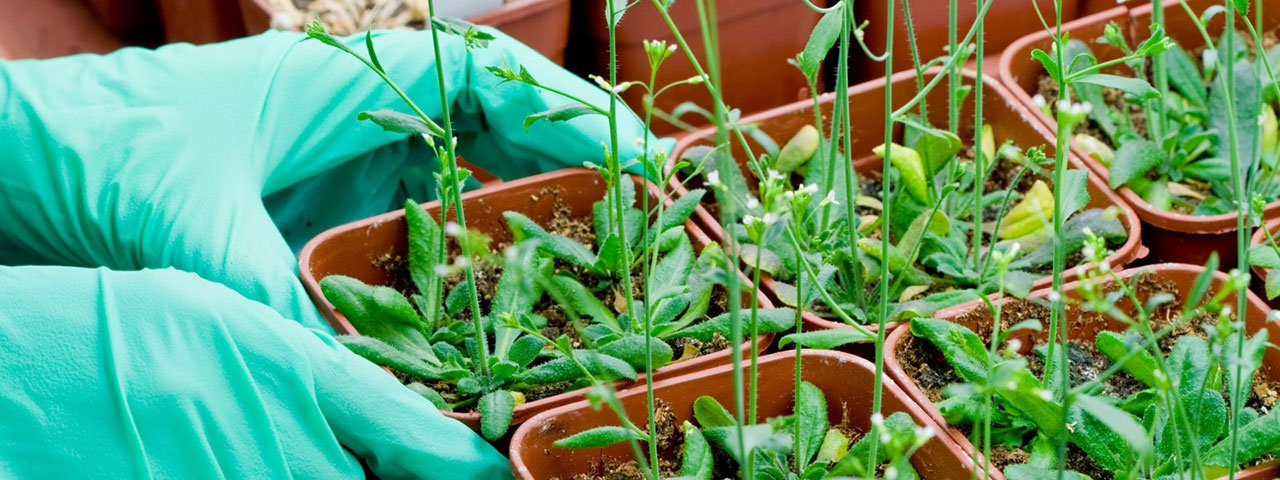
[153,159]
[161,374]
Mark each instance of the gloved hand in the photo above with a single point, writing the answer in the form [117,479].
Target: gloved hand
[160,374]
[143,159]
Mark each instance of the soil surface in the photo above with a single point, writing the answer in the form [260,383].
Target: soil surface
[925,364]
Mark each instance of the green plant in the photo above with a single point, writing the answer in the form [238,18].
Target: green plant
[823,450]
[1143,434]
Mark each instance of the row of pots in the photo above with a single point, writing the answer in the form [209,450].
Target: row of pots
[845,378]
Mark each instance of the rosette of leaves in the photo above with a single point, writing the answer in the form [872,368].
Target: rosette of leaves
[1189,168]
[1148,434]
[425,336]
[714,447]
[932,262]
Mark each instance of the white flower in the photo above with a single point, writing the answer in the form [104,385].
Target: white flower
[1273,316]
[890,472]
[672,48]
[1088,251]
[1226,311]
[452,229]
[1080,270]
[809,189]
[829,199]
[749,220]
[461,262]
[1039,100]
[1054,296]
[788,196]
[1088,232]
[1015,345]
[1013,249]
[859,33]
[1011,385]
[770,218]
[877,419]
[752,204]
[440,270]
[1045,394]
[1104,266]
[924,433]
[1064,105]
[773,175]
[713,179]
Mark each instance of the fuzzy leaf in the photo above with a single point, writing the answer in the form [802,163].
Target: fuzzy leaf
[577,297]
[960,346]
[1211,410]
[820,42]
[711,414]
[431,395]
[1185,76]
[1023,392]
[770,320]
[424,250]
[727,438]
[1133,160]
[378,312]
[1189,364]
[1264,256]
[811,412]
[1075,193]
[1130,85]
[1273,283]
[562,113]
[525,349]
[854,463]
[1247,109]
[679,210]
[631,349]
[598,437]
[698,463]
[1141,367]
[1256,438]
[496,409]
[382,353]
[826,339]
[563,369]
[559,246]
[396,122]
[1110,436]
[674,268]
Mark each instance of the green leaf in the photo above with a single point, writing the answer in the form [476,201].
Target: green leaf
[378,312]
[1211,411]
[1255,439]
[582,301]
[697,463]
[1212,169]
[1117,422]
[525,349]
[1189,363]
[396,122]
[1273,283]
[612,257]
[896,425]
[679,210]
[1142,367]
[382,353]
[1075,193]
[960,346]
[631,349]
[431,395]
[562,113]
[563,369]
[811,412]
[598,437]
[558,246]
[710,414]
[769,320]
[820,42]
[826,339]
[424,251]
[1264,255]
[1130,85]
[727,438]
[1134,159]
[1024,394]
[768,261]
[1185,76]
[1248,108]
[496,409]
[1248,363]
[674,268]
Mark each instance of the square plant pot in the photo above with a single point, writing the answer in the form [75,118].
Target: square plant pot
[844,379]
[541,24]
[1008,119]
[757,37]
[1081,325]
[1171,236]
[357,249]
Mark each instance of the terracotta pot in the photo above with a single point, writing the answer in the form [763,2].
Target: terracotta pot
[350,249]
[757,37]
[1172,237]
[845,380]
[541,24]
[1010,121]
[201,21]
[1259,283]
[1005,22]
[125,18]
[1182,275]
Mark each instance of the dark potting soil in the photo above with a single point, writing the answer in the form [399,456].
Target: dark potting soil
[670,444]
[925,364]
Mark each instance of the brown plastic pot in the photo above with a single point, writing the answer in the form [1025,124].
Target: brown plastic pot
[757,37]
[1259,283]
[126,18]
[541,24]
[1005,22]
[350,249]
[845,380]
[1172,237]
[201,21]
[974,313]
[1009,120]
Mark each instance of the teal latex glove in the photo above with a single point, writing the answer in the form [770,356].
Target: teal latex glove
[161,374]
[152,159]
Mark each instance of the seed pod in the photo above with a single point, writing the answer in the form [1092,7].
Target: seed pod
[797,152]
